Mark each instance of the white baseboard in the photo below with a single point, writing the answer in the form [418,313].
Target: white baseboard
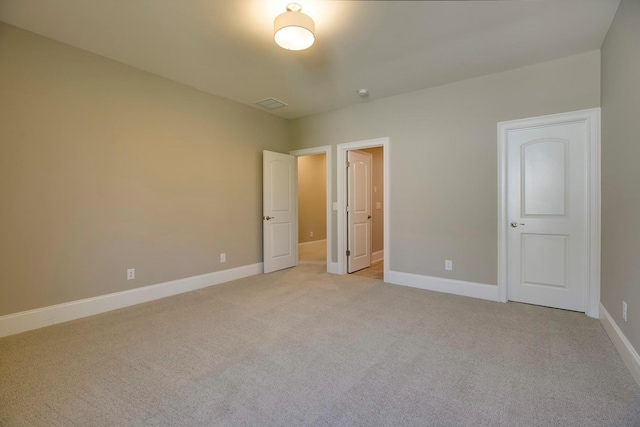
[333,268]
[377,256]
[450,286]
[625,349]
[33,319]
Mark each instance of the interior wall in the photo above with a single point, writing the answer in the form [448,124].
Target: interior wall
[443,157]
[377,196]
[104,167]
[620,171]
[312,198]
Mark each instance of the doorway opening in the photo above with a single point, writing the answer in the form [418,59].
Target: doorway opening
[312,209]
[353,242]
[314,205]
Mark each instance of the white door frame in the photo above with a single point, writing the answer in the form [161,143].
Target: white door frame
[342,199]
[326,150]
[592,224]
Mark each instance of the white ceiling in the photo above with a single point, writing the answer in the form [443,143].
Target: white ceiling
[225,47]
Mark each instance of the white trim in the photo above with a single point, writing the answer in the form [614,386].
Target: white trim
[333,268]
[449,286]
[314,242]
[342,197]
[628,354]
[592,231]
[377,256]
[33,319]
[325,149]
[594,207]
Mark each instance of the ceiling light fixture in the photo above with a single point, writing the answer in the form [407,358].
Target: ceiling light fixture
[293,30]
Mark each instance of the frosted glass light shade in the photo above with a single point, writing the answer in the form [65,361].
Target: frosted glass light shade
[293,30]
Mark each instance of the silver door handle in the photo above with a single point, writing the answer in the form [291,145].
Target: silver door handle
[515,224]
[268,217]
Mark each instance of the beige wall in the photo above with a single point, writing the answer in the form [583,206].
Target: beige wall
[377,196]
[621,170]
[104,167]
[443,157]
[312,198]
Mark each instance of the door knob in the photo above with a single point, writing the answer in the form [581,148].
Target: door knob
[268,217]
[368,216]
[515,224]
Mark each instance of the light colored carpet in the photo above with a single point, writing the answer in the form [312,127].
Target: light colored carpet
[316,253]
[301,347]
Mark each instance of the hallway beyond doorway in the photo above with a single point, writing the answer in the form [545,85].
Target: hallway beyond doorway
[313,252]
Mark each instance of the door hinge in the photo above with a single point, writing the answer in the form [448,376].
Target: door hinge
[348,164]
[348,208]
[348,253]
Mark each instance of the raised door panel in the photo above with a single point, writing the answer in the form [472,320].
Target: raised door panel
[545,260]
[280,175]
[545,177]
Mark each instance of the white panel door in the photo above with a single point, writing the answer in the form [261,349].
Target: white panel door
[547,212]
[279,200]
[359,210]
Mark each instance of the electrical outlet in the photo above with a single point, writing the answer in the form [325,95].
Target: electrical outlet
[448,264]
[131,273]
[223,257]
[624,311]
[311,234]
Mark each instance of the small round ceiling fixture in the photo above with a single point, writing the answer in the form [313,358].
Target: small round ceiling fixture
[363,93]
[293,30]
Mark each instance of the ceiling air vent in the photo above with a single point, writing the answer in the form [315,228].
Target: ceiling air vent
[271,103]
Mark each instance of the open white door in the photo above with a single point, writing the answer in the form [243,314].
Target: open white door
[279,201]
[547,215]
[359,210]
